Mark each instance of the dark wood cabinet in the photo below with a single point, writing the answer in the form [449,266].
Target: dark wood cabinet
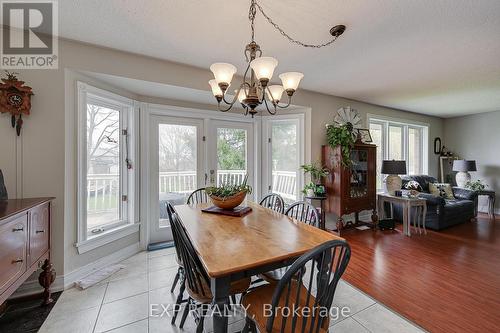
[351,189]
[25,244]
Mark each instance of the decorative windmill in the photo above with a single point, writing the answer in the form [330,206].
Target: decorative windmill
[15,98]
[350,118]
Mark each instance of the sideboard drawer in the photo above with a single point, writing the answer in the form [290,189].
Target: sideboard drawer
[13,245]
[39,232]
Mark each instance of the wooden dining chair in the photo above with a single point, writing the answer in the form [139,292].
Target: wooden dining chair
[180,276]
[198,196]
[312,289]
[305,212]
[196,279]
[273,201]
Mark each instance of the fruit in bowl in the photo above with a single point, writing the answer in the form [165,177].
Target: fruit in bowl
[229,196]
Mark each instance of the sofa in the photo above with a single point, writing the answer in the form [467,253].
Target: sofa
[441,213]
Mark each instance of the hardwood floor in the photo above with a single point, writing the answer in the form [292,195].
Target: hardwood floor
[447,281]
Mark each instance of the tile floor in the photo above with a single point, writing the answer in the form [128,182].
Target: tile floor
[121,304]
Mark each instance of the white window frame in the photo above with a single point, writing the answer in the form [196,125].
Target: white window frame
[405,125]
[128,180]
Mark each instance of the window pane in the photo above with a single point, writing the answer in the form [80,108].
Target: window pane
[103,166]
[376,131]
[395,143]
[284,159]
[177,164]
[231,155]
[414,151]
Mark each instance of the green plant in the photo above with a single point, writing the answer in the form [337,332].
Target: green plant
[310,186]
[341,136]
[316,170]
[225,191]
[475,185]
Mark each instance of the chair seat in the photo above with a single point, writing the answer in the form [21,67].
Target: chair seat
[205,295]
[256,300]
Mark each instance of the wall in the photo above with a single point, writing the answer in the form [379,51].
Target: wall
[477,137]
[48,166]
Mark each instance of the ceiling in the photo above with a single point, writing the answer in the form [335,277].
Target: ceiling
[434,57]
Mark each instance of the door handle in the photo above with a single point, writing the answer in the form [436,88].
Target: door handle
[18,229]
[16,261]
[39,231]
[212,177]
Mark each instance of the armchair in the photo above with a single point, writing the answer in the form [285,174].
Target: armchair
[442,213]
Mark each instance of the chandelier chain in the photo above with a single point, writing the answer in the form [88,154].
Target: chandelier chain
[283,33]
[251,16]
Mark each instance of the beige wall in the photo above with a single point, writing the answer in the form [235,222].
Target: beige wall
[48,166]
[477,137]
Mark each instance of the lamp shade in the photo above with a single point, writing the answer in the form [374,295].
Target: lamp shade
[291,80]
[276,91]
[216,90]
[464,165]
[241,95]
[223,72]
[263,67]
[393,167]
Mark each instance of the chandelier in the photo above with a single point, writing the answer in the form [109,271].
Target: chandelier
[255,87]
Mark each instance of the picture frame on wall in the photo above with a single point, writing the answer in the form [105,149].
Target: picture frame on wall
[365,135]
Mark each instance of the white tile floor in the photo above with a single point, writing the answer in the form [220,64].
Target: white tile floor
[121,304]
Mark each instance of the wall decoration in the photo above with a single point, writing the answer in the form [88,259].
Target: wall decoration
[437,146]
[364,135]
[15,98]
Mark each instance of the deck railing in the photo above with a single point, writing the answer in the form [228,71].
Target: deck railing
[103,189]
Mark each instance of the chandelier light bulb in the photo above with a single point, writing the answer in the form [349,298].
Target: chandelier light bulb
[223,73]
[291,80]
[276,92]
[241,95]
[263,67]
[216,90]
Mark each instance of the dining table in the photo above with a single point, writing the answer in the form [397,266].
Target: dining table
[234,247]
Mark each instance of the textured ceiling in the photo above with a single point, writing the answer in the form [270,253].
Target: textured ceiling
[438,57]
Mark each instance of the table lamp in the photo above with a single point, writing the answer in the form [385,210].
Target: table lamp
[463,167]
[393,168]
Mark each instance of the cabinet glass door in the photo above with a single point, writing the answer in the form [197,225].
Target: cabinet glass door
[359,174]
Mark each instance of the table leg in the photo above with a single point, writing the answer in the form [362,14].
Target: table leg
[405,220]
[424,214]
[220,303]
[380,205]
[491,210]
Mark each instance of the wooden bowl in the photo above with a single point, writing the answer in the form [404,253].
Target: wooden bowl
[230,202]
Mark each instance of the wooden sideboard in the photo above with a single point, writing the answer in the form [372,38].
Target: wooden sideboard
[25,226]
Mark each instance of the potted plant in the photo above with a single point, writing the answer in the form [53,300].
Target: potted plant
[314,188]
[476,185]
[229,196]
[341,136]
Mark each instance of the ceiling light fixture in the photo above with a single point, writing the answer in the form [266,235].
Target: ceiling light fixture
[255,87]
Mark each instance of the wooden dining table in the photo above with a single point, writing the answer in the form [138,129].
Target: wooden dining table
[231,248]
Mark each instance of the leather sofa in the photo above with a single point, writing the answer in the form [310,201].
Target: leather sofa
[441,213]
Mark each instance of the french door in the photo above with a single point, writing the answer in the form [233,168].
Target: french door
[189,153]
[176,168]
[231,152]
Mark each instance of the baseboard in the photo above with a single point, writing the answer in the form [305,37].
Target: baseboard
[62,282]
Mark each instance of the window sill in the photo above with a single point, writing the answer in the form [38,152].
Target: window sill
[106,237]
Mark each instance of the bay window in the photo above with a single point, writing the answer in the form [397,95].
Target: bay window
[105,170]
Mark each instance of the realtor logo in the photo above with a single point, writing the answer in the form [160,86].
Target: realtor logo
[29,34]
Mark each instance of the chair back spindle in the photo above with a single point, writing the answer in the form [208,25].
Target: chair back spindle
[305,212]
[198,196]
[273,201]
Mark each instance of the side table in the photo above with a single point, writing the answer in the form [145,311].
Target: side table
[420,212]
[491,201]
[322,201]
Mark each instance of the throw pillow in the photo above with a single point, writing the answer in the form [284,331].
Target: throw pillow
[413,185]
[441,190]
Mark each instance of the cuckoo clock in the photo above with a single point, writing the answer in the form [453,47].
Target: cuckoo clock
[15,98]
